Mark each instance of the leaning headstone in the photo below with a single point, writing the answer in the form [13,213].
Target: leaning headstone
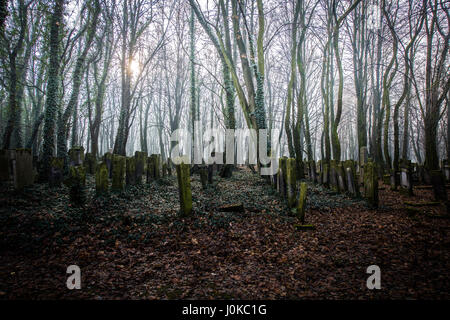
[76,156]
[4,165]
[291,182]
[23,169]
[184,188]
[90,161]
[350,177]
[101,178]
[131,171]
[371,183]
[56,172]
[118,172]
[76,183]
[301,205]
[141,158]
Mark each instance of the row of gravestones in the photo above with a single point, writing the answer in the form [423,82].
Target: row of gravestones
[124,171]
[340,176]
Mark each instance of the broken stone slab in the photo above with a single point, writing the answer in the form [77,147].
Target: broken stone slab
[184,188]
[235,207]
[118,172]
[23,169]
[101,178]
[304,227]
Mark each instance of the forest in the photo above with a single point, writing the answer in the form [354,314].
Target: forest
[224,149]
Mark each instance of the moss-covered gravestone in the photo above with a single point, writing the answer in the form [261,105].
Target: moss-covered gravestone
[4,165]
[23,169]
[101,178]
[301,205]
[141,158]
[131,171]
[184,188]
[76,183]
[371,183]
[153,167]
[90,162]
[291,182]
[118,172]
[108,158]
[56,174]
[76,156]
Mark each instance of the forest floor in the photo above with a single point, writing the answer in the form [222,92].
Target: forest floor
[134,245]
